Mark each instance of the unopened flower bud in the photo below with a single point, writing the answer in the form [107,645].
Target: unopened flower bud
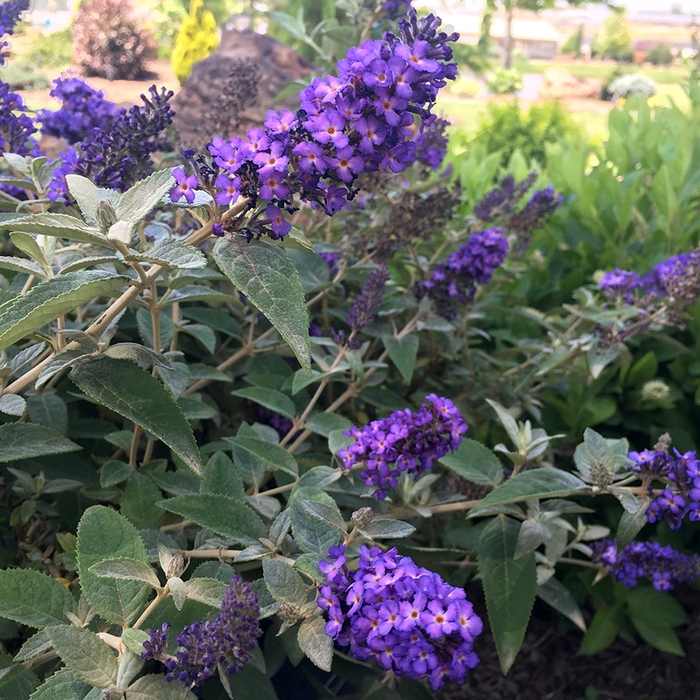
[663,444]
[106,216]
[655,390]
[363,517]
[289,612]
[176,567]
[600,474]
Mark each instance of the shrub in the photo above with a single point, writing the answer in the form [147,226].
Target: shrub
[614,39]
[572,46]
[465,87]
[660,55]
[52,50]
[505,81]
[627,85]
[196,39]
[605,92]
[108,41]
[507,128]
[24,76]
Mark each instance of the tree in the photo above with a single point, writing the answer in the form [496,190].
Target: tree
[614,40]
[533,6]
[572,46]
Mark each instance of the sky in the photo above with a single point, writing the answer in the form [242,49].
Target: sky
[688,6]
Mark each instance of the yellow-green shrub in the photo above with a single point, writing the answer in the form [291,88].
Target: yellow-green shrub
[197,38]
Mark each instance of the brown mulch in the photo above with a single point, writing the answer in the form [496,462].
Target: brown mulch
[548,667]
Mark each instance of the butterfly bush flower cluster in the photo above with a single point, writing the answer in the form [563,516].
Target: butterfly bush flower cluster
[404,617]
[362,120]
[396,8]
[16,127]
[681,497]
[404,441]
[119,155]
[82,110]
[10,13]
[453,282]
[663,566]
[227,641]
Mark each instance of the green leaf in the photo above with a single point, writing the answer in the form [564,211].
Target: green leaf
[315,643]
[283,582]
[658,633]
[221,476]
[324,423]
[25,440]
[403,353]
[59,362]
[138,503]
[16,682]
[201,333]
[155,687]
[269,398]
[326,513]
[34,599]
[545,482]
[126,569]
[48,300]
[60,225]
[138,353]
[134,639]
[123,387]
[251,684]
[104,534]
[12,405]
[63,684]
[602,630]
[139,200]
[267,276]
[647,602]
[510,586]
[206,590]
[310,534]
[85,654]
[88,261]
[475,462]
[386,528]
[27,244]
[172,254]
[259,456]
[88,196]
[49,409]
[28,267]
[144,321]
[556,594]
[35,645]
[220,514]
[114,472]
[312,268]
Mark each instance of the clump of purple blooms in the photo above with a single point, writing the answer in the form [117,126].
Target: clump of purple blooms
[82,110]
[663,566]
[404,441]
[225,642]
[682,495]
[453,282]
[16,128]
[332,260]
[10,12]
[431,145]
[396,8]
[359,121]
[400,615]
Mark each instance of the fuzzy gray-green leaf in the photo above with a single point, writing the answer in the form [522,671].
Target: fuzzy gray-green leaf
[60,225]
[267,276]
[25,440]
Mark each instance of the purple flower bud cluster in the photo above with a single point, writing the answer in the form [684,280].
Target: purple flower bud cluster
[16,127]
[502,205]
[226,641]
[82,110]
[10,12]
[663,566]
[331,259]
[362,311]
[431,145]
[396,8]
[681,496]
[359,121]
[119,156]
[404,441]
[620,285]
[453,282]
[400,615]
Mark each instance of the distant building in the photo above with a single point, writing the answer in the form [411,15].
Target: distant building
[536,37]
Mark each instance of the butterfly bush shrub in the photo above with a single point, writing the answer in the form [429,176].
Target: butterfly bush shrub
[265,403]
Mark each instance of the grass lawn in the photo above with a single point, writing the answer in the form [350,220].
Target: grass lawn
[675,75]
